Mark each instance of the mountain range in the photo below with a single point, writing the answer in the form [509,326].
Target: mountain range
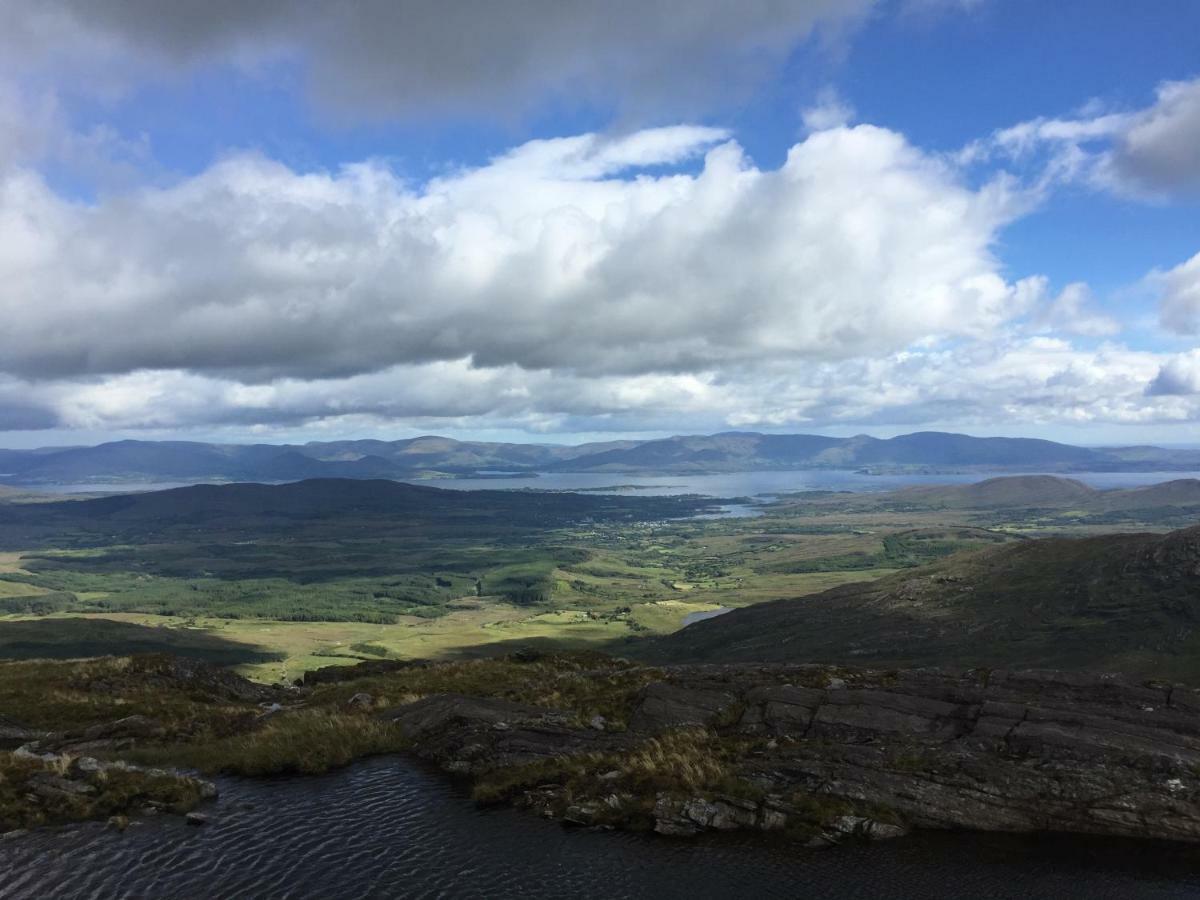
[431,456]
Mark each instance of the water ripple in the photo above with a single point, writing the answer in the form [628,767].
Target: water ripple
[390,828]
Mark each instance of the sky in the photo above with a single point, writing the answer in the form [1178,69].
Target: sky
[528,220]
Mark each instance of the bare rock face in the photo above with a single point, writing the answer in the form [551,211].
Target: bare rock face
[665,705]
[475,734]
[1019,751]
[870,754]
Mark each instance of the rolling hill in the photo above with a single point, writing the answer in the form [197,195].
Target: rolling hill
[1121,602]
[1039,491]
[1045,492]
[344,507]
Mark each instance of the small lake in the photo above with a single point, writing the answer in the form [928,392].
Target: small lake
[692,618]
[389,827]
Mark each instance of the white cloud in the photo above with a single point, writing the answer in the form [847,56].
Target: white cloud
[1070,313]
[652,281]
[1179,309]
[1011,381]
[1179,375]
[1151,153]
[830,111]
[561,255]
[1160,151]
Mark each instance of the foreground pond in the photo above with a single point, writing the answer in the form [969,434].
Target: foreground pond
[390,828]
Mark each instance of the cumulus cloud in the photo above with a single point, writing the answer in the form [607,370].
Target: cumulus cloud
[1020,381]
[1151,152]
[830,111]
[1071,313]
[652,281]
[561,255]
[1160,151]
[427,57]
[1178,376]
[1179,309]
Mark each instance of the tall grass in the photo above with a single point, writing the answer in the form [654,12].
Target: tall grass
[586,684]
[686,761]
[306,742]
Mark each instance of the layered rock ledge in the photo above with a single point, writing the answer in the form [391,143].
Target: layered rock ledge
[831,752]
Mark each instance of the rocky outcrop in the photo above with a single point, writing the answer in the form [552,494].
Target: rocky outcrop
[473,735]
[13,734]
[1023,751]
[665,705]
[871,753]
[180,674]
[684,816]
[57,788]
[108,737]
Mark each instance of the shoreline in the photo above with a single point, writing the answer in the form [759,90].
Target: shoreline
[819,754]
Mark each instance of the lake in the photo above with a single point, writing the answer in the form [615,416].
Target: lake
[389,827]
[731,484]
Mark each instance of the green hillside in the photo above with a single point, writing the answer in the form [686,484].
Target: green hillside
[1121,602]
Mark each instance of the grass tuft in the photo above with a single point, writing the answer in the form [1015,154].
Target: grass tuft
[306,742]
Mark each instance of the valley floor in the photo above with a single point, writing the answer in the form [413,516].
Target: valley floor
[275,605]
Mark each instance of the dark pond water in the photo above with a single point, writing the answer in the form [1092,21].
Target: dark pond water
[389,828]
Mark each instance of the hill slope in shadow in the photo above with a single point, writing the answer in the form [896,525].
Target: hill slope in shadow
[1122,602]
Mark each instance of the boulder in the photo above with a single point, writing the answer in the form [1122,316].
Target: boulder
[86,765]
[51,786]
